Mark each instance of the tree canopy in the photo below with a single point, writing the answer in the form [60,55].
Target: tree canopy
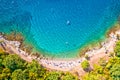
[12,67]
[13,62]
[85,64]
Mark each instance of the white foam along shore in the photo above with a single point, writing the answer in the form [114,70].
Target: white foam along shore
[63,65]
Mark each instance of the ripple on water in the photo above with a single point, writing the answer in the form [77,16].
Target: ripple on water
[59,27]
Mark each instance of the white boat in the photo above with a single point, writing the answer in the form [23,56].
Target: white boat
[68,22]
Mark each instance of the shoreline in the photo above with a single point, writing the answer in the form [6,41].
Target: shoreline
[109,45]
[78,53]
[80,50]
[97,43]
[59,64]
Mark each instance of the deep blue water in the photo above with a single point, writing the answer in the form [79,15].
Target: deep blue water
[59,27]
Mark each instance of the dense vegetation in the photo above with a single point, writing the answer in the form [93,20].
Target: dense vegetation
[12,67]
[106,70]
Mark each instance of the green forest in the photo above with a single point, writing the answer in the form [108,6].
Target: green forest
[12,67]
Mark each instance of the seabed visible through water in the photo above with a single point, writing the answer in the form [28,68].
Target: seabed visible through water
[59,28]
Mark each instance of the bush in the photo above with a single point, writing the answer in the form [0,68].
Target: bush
[111,54]
[117,49]
[102,62]
[85,65]
[69,76]
[87,57]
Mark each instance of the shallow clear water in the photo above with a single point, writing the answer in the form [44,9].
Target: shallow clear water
[59,27]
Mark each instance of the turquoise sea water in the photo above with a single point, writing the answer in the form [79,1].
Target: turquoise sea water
[59,27]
